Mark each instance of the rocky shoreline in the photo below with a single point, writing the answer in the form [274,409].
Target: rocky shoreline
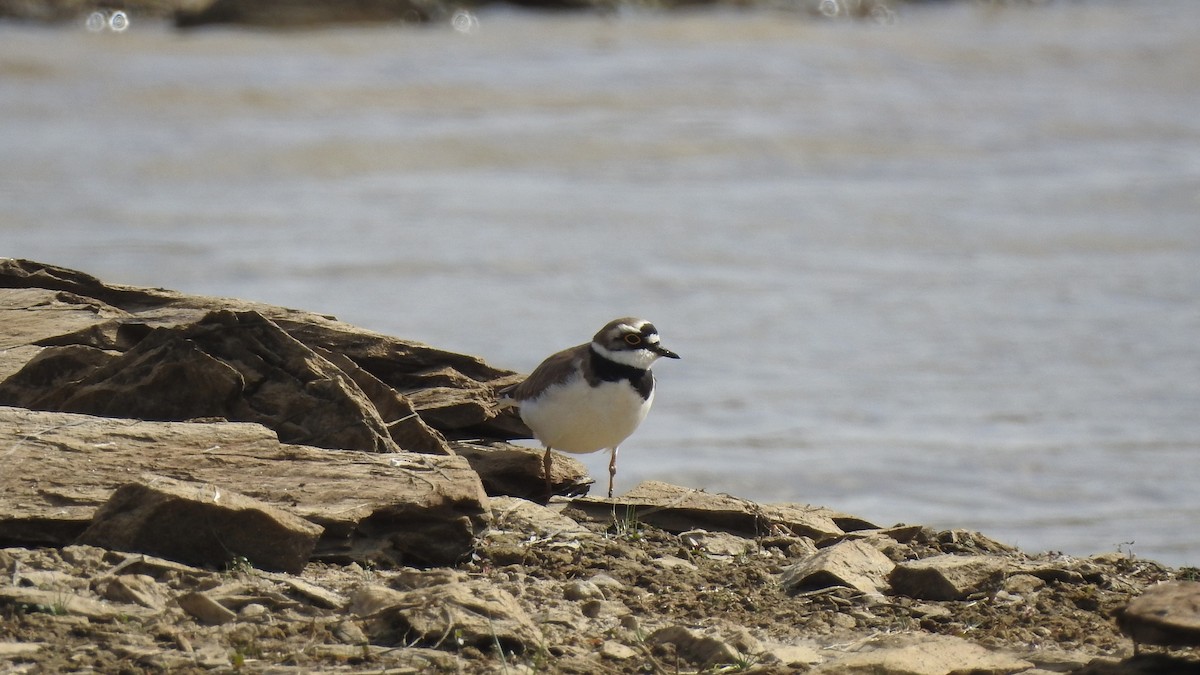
[196,484]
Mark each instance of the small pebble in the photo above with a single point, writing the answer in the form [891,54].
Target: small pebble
[254,612]
[616,651]
[591,608]
[583,590]
[349,633]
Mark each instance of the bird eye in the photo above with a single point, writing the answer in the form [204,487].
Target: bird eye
[633,339]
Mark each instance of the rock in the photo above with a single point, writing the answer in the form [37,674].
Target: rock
[11,649]
[1166,614]
[58,602]
[791,656]
[87,557]
[670,562]
[474,613]
[17,273]
[410,368]
[582,590]
[154,567]
[349,632]
[211,657]
[818,523]
[608,585]
[617,651]
[321,597]
[694,646]
[970,543]
[1023,584]
[311,378]
[922,654]
[739,638]
[596,608]
[534,520]
[511,470]
[408,579]
[246,588]
[386,509]
[1065,572]
[28,315]
[907,533]
[254,613]
[205,609]
[47,579]
[948,577]
[679,509]
[856,564]
[404,424]
[1049,660]
[929,610]
[718,544]
[201,524]
[238,366]
[139,589]
[454,407]
[553,616]
[371,598]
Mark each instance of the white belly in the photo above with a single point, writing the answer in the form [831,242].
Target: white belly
[576,417]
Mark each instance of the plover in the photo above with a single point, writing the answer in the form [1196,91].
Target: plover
[593,396]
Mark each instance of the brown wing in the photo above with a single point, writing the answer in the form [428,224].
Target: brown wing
[554,370]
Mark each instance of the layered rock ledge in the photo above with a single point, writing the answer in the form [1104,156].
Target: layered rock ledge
[193,484]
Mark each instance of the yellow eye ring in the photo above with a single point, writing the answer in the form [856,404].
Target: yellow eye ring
[633,339]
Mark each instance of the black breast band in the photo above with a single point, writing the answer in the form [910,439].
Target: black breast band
[606,370]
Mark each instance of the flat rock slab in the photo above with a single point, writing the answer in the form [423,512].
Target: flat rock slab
[791,656]
[1167,614]
[11,649]
[473,612]
[530,519]
[205,609]
[516,471]
[21,598]
[855,564]
[139,589]
[949,577]
[922,654]
[387,509]
[819,523]
[679,509]
[201,524]
[695,646]
[718,544]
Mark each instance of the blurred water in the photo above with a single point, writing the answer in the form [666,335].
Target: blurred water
[943,271]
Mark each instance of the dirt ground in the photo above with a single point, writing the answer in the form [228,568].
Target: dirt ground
[1061,621]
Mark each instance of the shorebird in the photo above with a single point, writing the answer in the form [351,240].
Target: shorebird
[593,396]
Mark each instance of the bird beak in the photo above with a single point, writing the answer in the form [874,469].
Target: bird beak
[663,351]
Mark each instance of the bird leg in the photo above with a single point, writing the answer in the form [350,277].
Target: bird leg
[612,470]
[547,462]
